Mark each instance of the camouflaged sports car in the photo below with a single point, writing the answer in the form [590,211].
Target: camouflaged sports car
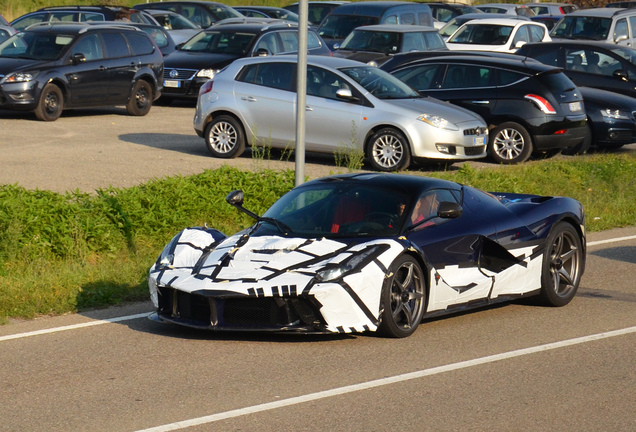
[367,252]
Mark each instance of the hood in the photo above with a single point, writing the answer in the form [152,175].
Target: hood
[607,99]
[361,56]
[197,60]
[8,65]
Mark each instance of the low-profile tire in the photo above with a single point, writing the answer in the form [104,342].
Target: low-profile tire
[224,137]
[510,143]
[403,299]
[388,150]
[51,103]
[583,146]
[562,265]
[140,99]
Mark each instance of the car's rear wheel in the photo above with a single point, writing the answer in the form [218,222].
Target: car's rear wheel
[224,137]
[562,265]
[388,150]
[51,103]
[140,100]
[583,146]
[403,299]
[510,143]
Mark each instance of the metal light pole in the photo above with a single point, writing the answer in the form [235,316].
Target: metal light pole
[301,91]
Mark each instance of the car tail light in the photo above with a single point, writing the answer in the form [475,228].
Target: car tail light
[542,103]
[207,87]
[560,132]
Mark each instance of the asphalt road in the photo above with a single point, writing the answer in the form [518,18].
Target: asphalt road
[506,368]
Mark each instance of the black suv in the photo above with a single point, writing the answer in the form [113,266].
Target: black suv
[188,68]
[48,68]
[530,107]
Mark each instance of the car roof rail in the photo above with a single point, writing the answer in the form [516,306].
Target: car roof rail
[246,20]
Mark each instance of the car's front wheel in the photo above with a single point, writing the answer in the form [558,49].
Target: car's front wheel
[140,100]
[403,299]
[510,143]
[388,150]
[562,265]
[224,137]
[51,103]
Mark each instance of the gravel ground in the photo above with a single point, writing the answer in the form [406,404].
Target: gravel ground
[96,148]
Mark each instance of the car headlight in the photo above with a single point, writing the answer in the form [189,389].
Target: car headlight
[336,272]
[166,259]
[207,73]
[19,77]
[614,114]
[438,122]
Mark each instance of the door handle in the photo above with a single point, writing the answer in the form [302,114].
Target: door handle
[308,108]
[249,98]
[481,102]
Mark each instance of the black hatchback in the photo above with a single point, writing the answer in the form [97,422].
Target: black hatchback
[529,107]
[48,68]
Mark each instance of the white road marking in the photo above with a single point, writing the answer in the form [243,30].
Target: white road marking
[74,326]
[383,382]
[613,240]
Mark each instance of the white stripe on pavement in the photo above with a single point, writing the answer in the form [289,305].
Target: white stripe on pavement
[382,382]
[613,240]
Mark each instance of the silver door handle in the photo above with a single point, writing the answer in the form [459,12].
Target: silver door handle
[308,108]
[249,98]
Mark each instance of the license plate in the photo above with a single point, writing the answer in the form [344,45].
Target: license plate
[575,106]
[172,83]
[480,140]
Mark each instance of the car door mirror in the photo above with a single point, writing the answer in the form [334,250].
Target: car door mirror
[519,44]
[336,46]
[235,198]
[344,94]
[78,58]
[620,38]
[261,52]
[449,210]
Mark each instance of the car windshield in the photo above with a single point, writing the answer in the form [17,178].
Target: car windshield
[582,27]
[36,46]
[217,42]
[379,83]
[339,209]
[482,34]
[383,42]
[176,22]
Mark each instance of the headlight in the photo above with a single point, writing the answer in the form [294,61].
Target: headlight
[19,77]
[611,114]
[166,259]
[207,73]
[438,122]
[346,266]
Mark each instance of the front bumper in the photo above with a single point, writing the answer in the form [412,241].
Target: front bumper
[19,96]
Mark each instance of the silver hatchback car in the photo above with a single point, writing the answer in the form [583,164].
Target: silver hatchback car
[253,101]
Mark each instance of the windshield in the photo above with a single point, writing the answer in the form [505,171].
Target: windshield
[226,42]
[383,42]
[340,209]
[35,46]
[582,27]
[482,34]
[379,83]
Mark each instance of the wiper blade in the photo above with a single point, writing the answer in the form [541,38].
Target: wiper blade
[282,227]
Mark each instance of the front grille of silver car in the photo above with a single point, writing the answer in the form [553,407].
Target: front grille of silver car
[476,131]
[178,74]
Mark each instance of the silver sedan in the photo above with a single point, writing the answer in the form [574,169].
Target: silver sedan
[349,104]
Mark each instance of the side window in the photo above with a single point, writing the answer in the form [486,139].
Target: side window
[289,40]
[275,75]
[413,42]
[116,45]
[64,17]
[268,42]
[312,41]
[536,33]
[91,17]
[90,46]
[549,57]
[140,43]
[574,60]
[462,76]
[323,83]
[407,19]
[506,77]
[521,36]
[29,20]
[621,29]
[632,24]
[419,77]
[391,19]
[427,206]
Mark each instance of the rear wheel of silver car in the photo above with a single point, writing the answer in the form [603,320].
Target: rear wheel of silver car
[141,99]
[51,103]
[224,137]
[562,265]
[403,298]
[510,143]
[388,150]
[583,146]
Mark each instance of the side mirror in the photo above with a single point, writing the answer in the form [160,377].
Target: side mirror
[620,38]
[78,58]
[344,94]
[262,52]
[336,46]
[519,44]
[449,210]
[235,198]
